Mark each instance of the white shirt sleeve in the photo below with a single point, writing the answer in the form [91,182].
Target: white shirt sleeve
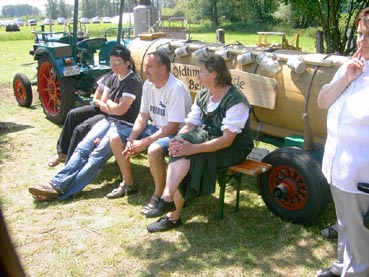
[339,74]
[176,107]
[193,116]
[100,83]
[236,118]
[127,94]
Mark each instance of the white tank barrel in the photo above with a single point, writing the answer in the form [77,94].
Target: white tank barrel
[283,91]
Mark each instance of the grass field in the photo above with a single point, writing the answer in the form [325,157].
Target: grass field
[93,236]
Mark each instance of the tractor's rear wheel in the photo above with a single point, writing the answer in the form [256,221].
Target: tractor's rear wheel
[22,90]
[294,189]
[56,93]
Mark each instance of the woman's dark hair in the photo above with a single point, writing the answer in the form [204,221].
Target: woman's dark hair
[216,63]
[122,52]
[163,59]
[363,15]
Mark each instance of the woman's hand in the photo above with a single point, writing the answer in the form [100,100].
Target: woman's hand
[351,70]
[355,66]
[179,147]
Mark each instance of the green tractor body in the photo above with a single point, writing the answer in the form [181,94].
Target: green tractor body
[69,64]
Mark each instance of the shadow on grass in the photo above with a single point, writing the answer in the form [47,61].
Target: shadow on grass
[7,128]
[107,179]
[11,127]
[252,239]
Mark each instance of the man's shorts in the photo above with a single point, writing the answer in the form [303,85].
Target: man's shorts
[148,131]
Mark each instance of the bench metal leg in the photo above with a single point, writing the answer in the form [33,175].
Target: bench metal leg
[222,180]
[222,184]
[238,187]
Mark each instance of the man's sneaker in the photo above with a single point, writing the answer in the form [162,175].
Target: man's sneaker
[122,190]
[154,200]
[163,224]
[161,208]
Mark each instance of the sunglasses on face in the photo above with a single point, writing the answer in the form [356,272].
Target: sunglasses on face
[116,63]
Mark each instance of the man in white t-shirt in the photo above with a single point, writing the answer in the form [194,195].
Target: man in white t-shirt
[164,106]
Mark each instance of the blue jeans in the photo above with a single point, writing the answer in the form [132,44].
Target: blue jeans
[90,155]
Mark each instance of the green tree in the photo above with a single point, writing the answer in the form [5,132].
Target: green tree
[335,18]
[20,10]
[51,8]
[198,10]
[88,8]
[64,10]
[231,11]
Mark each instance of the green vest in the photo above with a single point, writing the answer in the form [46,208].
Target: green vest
[212,121]
[201,179]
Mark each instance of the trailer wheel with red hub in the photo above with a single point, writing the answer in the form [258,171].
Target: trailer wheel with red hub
[294,189]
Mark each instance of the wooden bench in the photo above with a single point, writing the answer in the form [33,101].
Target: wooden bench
[248,167]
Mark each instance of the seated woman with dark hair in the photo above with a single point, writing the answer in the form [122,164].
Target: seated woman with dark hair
[217,135]
[121,103]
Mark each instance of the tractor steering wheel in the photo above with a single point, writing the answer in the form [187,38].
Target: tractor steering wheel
[81,29]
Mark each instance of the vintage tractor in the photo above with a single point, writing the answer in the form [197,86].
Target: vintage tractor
[69,63]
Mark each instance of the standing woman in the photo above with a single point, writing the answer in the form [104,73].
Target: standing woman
[346,155]
[216,135]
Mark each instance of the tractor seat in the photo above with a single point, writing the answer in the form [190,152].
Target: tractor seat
[91,45]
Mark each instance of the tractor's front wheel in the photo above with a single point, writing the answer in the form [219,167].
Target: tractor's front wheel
[22,90]
[294,189]
[56,93]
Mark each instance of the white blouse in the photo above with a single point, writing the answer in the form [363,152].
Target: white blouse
[235,119]
[346,153]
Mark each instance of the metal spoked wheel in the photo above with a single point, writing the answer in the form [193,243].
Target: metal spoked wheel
[22,90]
[56,93]
[294,189]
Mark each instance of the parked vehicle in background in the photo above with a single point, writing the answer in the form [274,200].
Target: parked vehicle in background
[46,21]
[84,20]
[95,20]
[60,20]
[12,26]
[19,21]
[106,19]
[31,22]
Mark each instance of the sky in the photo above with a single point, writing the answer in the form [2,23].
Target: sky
[36,3]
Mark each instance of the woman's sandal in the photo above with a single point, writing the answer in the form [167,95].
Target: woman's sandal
[329,232]
[57,159]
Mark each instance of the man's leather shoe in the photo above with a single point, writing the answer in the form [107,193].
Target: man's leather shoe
[44,190]
[326,273]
